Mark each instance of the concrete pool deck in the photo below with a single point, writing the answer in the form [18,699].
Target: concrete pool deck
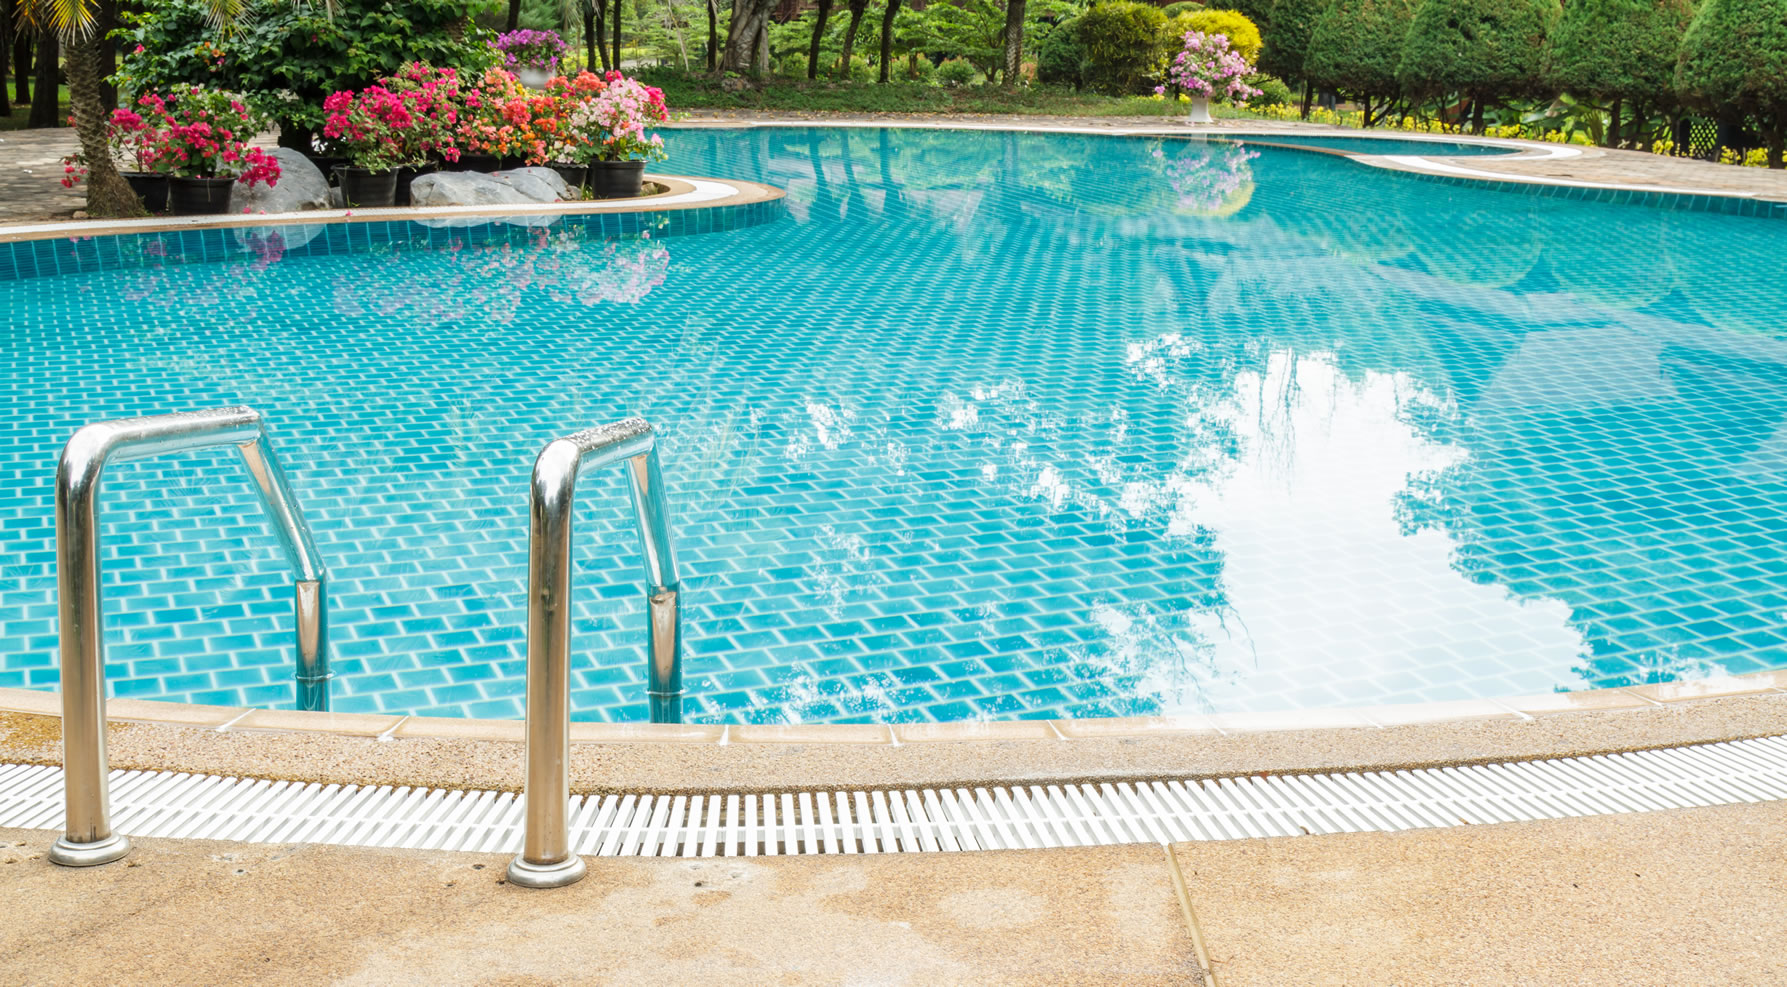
[1680,896]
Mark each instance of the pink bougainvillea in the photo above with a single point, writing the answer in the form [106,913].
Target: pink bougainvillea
[1208,66]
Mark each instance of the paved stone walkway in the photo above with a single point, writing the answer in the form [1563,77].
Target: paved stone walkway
[31,175]
[1692,896]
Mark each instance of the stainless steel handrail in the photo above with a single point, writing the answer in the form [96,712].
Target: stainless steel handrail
[546,860]
[87,836]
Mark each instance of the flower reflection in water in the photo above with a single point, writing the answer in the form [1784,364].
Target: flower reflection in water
[1209,178]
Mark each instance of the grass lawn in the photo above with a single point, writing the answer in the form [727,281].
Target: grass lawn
[22,111]
[800,96]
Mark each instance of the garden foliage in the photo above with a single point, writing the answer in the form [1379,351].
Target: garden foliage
[1123,46]
[287,57]
[1287,32]
[1734,58]
[1619,49]
[1243,34]
[1487,49]
[1357,44]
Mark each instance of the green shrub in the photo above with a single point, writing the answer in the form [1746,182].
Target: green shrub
[1734,60]
[957,72]
[1243,35]
[1489,49]
[919,68]
[1356,45]
[1287,31]
[1273,92]
[1619,49]
[1124,46]
[1183,7]
[280,47]
[1059,55]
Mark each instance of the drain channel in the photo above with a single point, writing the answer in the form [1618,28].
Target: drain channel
[171,804]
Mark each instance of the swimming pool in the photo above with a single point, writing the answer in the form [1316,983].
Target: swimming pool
[990,425]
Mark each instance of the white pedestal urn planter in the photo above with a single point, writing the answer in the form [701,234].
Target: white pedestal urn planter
[533,77]
[1200,110]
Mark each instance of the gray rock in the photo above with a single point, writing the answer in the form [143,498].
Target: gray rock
[465,188]
[301,188]
[538,184]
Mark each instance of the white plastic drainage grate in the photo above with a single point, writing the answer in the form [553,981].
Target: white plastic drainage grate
[160,803]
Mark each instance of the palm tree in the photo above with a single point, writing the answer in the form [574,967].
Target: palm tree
[77,22]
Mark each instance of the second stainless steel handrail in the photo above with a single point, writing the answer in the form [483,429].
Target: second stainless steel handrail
[546,860]
[87,836]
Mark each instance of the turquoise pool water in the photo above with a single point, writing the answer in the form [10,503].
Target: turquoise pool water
[987,426]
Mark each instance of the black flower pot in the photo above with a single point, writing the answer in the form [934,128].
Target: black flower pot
[405,175]
[509,162]
[199,196]
[474,162]
[575,175]
[616,179]
[367,189]
[149,187]
[326,163]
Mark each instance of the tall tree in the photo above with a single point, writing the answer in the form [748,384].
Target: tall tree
[1734,62]
[857,9]
[614,29]
[6,33]
[1014,42]
[21,62]
[713,34]
[45,111]
[1487,50]
[887,33]
[1619,52]
[824,14]
[1355,46]
[1286,33]
[513,21]
[749,18]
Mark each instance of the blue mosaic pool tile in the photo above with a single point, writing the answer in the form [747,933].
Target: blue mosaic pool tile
[1025,445]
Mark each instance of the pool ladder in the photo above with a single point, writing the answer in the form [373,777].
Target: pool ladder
[545,860]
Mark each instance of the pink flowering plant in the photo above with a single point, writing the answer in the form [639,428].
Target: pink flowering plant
[498,116]
[192,132]
[527,49]
[1208,66]
[613,122]
[376,129]
[434,103]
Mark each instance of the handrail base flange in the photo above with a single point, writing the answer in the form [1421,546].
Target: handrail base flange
[71,854]
[531,875]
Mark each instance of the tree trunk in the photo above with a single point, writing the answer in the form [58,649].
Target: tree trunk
[1477,116]
[748,17]
[108,54]
[1613,124]
[6,32]
[760,49]
[1772,136]
[1014,41]
[21,67]
[589,37]
[887,26]
[713,34]
[599,8]
[44,111]
[675,24]
[513,21]
[614,32]
[1308,94]
[857,9]
[108,195]
[818,37]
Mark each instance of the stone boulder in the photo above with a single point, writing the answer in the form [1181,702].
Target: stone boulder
[538,184]
[302,187]
[471,188]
